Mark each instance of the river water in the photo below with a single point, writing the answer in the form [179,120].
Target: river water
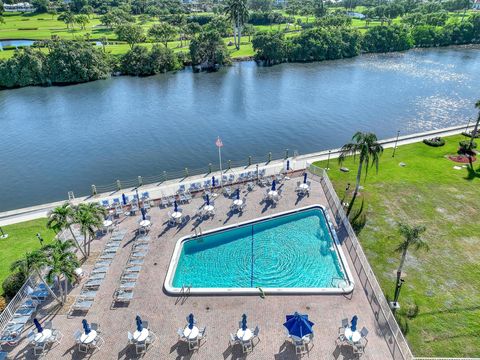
[57,139]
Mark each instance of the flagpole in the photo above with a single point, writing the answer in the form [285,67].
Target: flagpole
[220,160]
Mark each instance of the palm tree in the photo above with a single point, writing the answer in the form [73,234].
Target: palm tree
[411,237]
[366,146]
[61,218]
[475,129]
[237,13]
[61,262]
[90,217]
[33,262]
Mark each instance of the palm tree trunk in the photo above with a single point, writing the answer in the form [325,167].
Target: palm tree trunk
[85,242]
[475,129]
[402,261]
[39,274]
[76,241]
[239,35]
[357,186]
[235,35]
[65,284]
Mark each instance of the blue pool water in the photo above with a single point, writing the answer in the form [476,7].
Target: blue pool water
[291,251]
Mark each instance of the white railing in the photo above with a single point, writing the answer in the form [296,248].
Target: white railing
[394,338]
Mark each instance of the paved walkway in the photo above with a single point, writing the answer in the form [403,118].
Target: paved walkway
[220,314]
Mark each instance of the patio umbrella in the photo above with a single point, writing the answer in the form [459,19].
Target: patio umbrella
[273,185]
[244,322]
[190,321]
[238,194]
[86,327]
[208,200]
[175,206]
[298,325]
[305,178]
[353,325]
[37,325]
[213,180]
[138,319]
[124,199]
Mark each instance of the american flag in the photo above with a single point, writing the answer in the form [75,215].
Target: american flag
[219,142]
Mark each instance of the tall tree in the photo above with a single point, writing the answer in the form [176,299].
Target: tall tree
[367,148]
[61,262]
[163,32]
[61,218]
[475,129]
[34,262]
[130,33]
[90,218]
[237,13]
[68,18]
[411,237]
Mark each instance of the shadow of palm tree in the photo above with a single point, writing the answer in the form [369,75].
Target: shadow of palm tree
[358,219]
[472,173]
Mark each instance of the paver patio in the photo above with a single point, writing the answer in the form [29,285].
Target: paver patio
[220,314]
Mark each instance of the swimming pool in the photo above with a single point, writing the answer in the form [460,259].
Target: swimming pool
[290,252]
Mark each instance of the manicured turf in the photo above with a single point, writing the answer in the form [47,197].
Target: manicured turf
[444,282]
[21,239]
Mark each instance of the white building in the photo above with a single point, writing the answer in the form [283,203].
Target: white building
[21,7]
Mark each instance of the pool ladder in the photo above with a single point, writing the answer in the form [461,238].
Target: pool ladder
[199,233]
[185,290]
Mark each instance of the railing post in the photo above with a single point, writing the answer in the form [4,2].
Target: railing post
[119,185]
[229,164]
[209,168]
[249,160]
[186,172]
[140,181]
[94,190]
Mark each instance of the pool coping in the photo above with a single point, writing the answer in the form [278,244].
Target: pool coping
[171,290]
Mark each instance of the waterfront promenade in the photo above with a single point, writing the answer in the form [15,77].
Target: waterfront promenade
[157,190]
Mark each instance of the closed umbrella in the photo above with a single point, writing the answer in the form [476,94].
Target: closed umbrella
[213,181]
[353,325]
[208,200]
[238,194]
[86,327]
[244,322]
[175,206]
[191,321]
[305,178]
[288,165]
[298,325]
[144,213]
[37,325]
[273,185]
[138,319]
[124,199]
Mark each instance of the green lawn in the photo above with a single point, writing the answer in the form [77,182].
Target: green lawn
[444,282]
[21,238]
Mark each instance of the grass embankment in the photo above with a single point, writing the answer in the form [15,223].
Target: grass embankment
[21,239]
[445,281]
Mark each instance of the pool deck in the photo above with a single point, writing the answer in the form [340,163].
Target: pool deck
[220,314]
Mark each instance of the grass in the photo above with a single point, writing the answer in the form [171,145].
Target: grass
[445,281]
[21,239]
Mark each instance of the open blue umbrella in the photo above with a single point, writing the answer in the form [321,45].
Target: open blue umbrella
[138,319]
[86,327]
[191,321]
[238,194]
[244,322]
[208,200]
[305,178]
[298,325]
[353,325]
[288,165]
[213,180]
[37,325]
[144,213]
[124,199]
[175,206]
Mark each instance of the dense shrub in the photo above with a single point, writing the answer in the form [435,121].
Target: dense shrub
[270,47]
[380,39]
[465,144]
[200,19]
[208,51]
[435,142]
[12,284]
[141,62]
[266,18]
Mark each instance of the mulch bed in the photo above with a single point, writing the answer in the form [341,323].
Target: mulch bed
[463,159]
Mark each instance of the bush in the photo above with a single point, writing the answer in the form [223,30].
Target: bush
[465,144]
[435,142]
[469,134]
[12,284]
